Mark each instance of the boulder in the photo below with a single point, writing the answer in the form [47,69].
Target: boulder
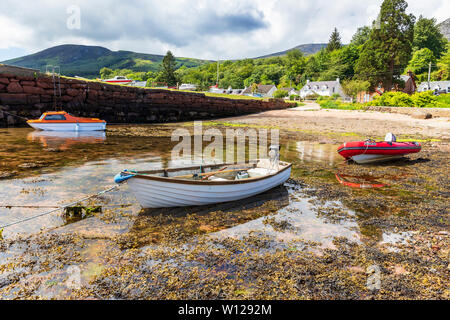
[422,115]
[4,81]
[44,84]
[28,83]
[14,87]
[72,92]
[33,90]
[13,98]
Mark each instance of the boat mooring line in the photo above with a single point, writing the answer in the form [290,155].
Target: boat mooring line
[59,208]
[14,115]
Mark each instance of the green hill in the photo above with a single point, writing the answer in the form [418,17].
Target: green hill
[86,61]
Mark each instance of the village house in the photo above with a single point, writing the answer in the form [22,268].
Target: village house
[322,88]
[290,91]
[439,86]
[409,88]
[264,91]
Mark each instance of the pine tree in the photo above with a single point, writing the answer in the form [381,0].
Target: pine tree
[168,69]
[335,41]
[389,48]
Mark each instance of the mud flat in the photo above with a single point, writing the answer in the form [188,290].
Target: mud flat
[314,238]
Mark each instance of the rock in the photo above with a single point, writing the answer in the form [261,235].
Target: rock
[29,165]
[44,84]
[399,270]
[422,115]
[72,92]
[13,98]
[4,81]
[66,98]
[14,87]
[7,175]
[28,83]
[356,269]
[443,233]
[2,87]
[33,90]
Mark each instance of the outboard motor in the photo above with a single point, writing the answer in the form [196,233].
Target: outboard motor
[390,137]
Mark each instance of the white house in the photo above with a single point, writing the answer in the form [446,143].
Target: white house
[322,88]
[439,86]
[263,90]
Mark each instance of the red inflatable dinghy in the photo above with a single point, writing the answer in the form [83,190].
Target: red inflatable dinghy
[371,151]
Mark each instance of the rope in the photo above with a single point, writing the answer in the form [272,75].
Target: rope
[59,208]
[14,115]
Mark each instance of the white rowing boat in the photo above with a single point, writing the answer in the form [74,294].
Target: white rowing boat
[204,185]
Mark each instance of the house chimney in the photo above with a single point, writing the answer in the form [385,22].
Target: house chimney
[338,80]
[307,81]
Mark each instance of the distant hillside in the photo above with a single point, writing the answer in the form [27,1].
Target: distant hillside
[87,61]
[307,49]
[445,28]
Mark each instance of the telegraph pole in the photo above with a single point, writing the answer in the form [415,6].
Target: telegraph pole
[429,76]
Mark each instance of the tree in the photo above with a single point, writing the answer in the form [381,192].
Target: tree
[361,36]
[444,67]
[353,87]
[280,94]
[388,50]
[428,35]
[106,73]
[421,60]
[168,69]
[335,41]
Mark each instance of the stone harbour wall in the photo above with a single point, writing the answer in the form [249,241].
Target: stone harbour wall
[30,96]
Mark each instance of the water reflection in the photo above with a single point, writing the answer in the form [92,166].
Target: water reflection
[65,140]
[302,223]
[359,182]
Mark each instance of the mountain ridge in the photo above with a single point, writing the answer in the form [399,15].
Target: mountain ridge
[86,61]
[445,28]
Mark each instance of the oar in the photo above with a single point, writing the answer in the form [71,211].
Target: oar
[205,174]
[211,174]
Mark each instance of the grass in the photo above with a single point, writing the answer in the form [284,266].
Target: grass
[332,104]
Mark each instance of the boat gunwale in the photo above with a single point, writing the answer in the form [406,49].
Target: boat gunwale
[206,182]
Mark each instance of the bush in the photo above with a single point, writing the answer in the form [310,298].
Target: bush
[280,94]
[400,99]
[313,96]
[424,99]
[443,101]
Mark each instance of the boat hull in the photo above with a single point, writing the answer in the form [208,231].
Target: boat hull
[370,151]
[371,158]
[165,194]
[91,126]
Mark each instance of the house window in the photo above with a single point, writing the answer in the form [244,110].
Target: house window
[333,89]
[55,117]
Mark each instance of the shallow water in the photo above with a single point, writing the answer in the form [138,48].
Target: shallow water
[56,168]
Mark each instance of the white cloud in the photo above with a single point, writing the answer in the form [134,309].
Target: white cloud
[225,29]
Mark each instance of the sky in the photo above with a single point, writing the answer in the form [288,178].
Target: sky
[204,29]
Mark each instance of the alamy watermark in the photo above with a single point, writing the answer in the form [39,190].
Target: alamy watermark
[73,21]
[236,146]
